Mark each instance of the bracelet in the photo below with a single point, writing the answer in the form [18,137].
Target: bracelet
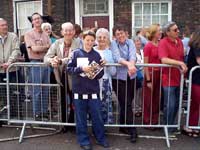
[148,81]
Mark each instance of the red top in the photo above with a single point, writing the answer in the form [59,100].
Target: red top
[151,51]
[169,49]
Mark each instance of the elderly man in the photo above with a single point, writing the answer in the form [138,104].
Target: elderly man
[37,43]
[58,56]
[9,52]
[171,52]
[124,52]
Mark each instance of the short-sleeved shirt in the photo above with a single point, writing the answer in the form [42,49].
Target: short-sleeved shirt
[33,38]
[169,49]
[193,54]
[151,51]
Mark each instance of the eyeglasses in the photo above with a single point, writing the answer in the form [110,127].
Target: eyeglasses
[175,30]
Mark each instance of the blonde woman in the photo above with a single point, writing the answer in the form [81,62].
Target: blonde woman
[152,76]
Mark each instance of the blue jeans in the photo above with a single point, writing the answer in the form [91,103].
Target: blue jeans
[93,107]
[171,104]
[39,94]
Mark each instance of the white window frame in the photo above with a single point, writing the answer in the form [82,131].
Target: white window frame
[15,2]
[79,14]
[149,1]
[99,14]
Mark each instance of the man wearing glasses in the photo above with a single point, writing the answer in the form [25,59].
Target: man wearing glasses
[171,52]
[37,43]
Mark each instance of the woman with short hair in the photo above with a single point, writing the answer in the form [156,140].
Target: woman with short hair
[103,42]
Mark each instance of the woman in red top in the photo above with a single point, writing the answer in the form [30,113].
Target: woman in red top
[152,88]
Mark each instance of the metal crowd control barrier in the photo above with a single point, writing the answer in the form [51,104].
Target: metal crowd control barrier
[22,111]
[197,127]
[150,114]
[31,99]
[3,101]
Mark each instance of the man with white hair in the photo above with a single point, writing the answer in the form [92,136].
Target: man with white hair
[37,43]
[57,56]
[9,52]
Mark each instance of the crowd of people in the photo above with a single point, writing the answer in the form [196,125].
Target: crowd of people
[71,57]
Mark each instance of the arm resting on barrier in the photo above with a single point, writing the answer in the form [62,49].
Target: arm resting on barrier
[175,62]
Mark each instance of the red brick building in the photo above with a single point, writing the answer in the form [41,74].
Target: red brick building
[104,13]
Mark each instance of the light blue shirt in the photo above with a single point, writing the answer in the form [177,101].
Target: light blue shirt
[186,46]
[126,51]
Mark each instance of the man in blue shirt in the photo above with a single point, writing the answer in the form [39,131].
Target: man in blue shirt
[124,53]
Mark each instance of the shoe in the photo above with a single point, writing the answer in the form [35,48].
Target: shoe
[124,130]
[132,138]
[192,133]
[105,144]
[64,130]
[86,147]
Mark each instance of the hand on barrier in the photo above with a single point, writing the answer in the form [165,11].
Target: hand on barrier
[131,69]
[55,62]
[103,62]
[183,67]
[5,65]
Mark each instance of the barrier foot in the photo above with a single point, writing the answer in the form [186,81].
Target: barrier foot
[22,133]
[167,137]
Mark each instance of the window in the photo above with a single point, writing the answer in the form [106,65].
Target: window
[147,13]
[91,7]
[23,10]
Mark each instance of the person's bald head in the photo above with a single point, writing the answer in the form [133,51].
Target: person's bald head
[68,30]
[3,27]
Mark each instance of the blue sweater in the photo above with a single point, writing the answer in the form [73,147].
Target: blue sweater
[84,85]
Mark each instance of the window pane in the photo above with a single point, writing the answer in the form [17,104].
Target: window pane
[155,8]
[146,20]
[155,19]
[138,21]
[163,19]
[164,8]
[95,6]
[24,10]
[138,8]
[147,8]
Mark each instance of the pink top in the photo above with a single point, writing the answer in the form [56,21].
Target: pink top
[34,38]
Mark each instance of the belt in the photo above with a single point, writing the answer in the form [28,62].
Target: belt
[85,96]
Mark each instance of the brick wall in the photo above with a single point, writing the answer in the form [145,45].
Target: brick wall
[61,11]
[6,12]
[186,12]
[122,13]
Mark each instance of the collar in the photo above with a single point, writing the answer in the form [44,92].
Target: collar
[3,38]
[173,42]
[125,42]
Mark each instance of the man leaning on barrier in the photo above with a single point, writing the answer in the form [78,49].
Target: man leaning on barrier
[124,52]
[9,52]
[171,52]
[37,43]
[58,55]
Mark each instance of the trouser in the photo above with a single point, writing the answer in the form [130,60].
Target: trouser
[152,99]
[93,107]
[14,97]
[171,104]
[125,94]
[195,105]
[66,95]
[39,94]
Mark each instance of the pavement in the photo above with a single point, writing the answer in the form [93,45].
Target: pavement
[148,140]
